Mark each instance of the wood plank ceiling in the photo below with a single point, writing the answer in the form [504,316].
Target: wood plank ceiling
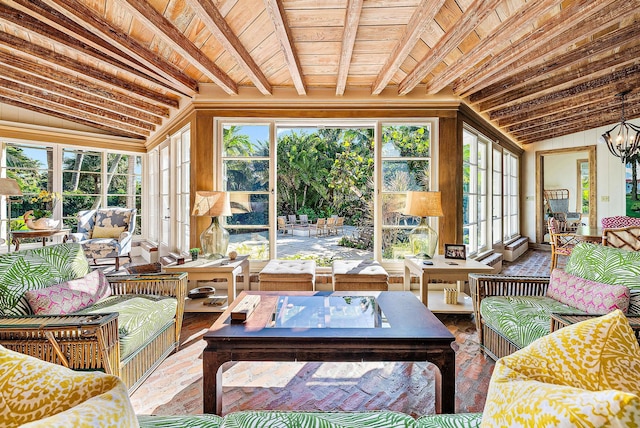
[536,69]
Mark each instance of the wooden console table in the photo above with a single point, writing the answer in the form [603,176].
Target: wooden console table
[17,235]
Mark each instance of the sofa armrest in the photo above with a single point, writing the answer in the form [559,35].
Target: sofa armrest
[80,342]
[482,286]
[159,284]
[125,237]
[78,237]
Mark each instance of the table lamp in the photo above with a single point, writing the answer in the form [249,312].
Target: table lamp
[9,187]
[215,239]
[423,239]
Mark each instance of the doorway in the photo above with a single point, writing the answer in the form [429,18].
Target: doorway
[570,168]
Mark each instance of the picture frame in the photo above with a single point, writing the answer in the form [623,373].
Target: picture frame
[455,251]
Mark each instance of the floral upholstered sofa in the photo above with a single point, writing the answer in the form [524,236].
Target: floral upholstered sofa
[546,384]
[511,312]
[54,307]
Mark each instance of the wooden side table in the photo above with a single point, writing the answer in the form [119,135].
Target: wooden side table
[207,270]
[559,321]
[453,270]
[17,235]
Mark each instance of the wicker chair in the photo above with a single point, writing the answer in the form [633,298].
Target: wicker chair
[561,243]
[557,202]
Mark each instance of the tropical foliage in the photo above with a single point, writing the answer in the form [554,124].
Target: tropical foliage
[328,171]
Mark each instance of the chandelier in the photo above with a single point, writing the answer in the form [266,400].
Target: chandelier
[626,142]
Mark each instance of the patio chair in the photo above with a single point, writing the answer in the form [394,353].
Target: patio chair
[282,224]
[320,227]
[331,225]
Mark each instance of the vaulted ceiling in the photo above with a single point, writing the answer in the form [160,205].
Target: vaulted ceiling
[535,69]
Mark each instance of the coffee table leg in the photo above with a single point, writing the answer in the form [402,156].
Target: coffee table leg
[448,383]
[212,380]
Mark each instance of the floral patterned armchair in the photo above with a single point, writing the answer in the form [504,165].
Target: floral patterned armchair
[106,233]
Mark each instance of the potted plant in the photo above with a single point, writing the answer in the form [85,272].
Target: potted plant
[194,253]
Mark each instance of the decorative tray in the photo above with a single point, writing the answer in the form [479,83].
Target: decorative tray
[201,292]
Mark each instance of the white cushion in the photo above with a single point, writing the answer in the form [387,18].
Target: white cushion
[289,270]
[359,271]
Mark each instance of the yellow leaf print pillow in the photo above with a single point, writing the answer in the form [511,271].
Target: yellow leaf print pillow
[586,374]
[34,393]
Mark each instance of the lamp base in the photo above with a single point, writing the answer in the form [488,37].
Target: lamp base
[214,240]
[423,240]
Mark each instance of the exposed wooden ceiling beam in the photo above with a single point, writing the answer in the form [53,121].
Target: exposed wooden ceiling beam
[581,123]
[474,15]
[423,15]
[111,43]
[283,34]
[354,8]
[499,38]
[605,110]
[46,86]
[42,71]
[125,122]
[215,22]
[89,118]
[30,24]
[144,12]
[20,45]
[629,77]
[521,85]
[587,16]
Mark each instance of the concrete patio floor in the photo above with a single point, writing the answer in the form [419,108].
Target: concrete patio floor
[322,246]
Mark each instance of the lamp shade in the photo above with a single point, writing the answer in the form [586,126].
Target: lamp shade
[9,187]
[211,204]
[424,204]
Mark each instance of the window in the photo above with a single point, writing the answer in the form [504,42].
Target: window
[85,178]
[32,167]
[406,165]
[181,148]
[496,200]
[475,191]
[511,180]
[582,201]
[246,175]
[276,169]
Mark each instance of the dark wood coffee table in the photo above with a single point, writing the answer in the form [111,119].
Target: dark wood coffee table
[330,327]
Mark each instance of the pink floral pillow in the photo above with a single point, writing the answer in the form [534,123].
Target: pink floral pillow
[588,296]
[70,296]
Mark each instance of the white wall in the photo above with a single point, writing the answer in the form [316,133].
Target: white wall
[561,172]
[610,176]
